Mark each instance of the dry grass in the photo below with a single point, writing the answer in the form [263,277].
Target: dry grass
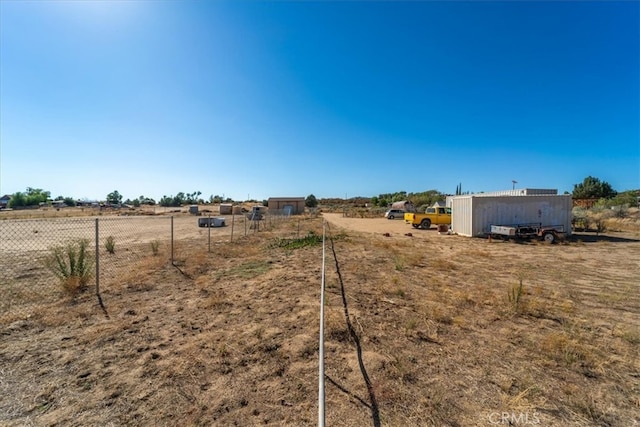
[452,331]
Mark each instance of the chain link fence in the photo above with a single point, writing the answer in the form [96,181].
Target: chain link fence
[33,252]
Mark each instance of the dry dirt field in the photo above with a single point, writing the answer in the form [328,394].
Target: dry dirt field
[421,330]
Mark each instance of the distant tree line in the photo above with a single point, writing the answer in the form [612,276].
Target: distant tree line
[589,188]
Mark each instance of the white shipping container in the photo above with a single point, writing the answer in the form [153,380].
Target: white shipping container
[473,215]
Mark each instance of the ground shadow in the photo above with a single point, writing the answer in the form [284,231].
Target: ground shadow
[592,237]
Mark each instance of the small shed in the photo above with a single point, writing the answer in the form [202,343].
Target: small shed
[226,209]
[474,214]
[287,205]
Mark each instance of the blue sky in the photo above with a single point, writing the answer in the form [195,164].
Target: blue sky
[258,99]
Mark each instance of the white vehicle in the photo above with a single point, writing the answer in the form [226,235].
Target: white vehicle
[394,214]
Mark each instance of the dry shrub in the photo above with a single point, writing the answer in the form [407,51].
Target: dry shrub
[442,264]
[569,349]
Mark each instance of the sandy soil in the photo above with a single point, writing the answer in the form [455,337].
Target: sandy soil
[452,331]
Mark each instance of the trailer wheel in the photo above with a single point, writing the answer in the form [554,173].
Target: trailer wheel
[425,224]
[549,237]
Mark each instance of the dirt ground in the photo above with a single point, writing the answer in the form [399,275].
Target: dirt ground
[421,330]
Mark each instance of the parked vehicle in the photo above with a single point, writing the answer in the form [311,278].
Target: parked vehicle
[211,222]
[547,233]
[432,216]
[394,214]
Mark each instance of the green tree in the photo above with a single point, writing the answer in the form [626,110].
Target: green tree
[311,201]
[69,201]
[593,188]
[32,197]
[17,200]
[142,200]
[626,198]
[114,198]
[35,196]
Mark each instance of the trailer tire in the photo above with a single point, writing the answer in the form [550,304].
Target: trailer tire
[425,224]
[549,237]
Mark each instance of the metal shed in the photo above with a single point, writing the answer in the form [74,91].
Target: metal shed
[288,205]
[473,215]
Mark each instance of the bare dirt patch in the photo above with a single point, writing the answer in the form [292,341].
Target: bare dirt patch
[453,331]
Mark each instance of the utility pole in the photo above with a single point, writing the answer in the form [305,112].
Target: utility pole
[514,184]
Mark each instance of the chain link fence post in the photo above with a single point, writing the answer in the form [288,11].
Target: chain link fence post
[233,220]
[104,309]
[209,228]
[172,263]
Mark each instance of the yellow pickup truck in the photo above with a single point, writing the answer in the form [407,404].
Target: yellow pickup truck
[432,216]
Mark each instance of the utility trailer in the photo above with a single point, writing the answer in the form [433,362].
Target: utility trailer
[211,222]
[546,233]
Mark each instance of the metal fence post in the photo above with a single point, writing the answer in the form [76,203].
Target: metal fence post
[233,220]
[104,309]
[172,240]
[209,228]
[97,260]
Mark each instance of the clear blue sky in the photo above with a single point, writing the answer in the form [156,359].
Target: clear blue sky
[259,99]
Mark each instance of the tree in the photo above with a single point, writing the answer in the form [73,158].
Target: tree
[17,200]
[114,198]
[311,201]
[593,188]
[33,197]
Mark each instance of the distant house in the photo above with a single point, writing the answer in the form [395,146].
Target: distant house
[4,201]
[288,205]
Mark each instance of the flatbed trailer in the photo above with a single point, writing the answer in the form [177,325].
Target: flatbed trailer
[547,233]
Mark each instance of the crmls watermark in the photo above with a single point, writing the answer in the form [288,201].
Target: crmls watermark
[514,418]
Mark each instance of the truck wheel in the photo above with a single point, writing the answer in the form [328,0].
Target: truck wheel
[549,237]
[425,224]
[391,217]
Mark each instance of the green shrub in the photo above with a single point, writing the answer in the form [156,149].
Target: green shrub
[110,244]
[72,264]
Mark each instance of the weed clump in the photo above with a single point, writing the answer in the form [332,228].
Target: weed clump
[311,239]
[110,244]
[72,265]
